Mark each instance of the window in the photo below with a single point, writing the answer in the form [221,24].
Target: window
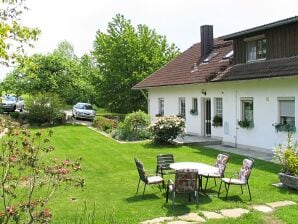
[247,110]
[287,112]
[256,49]
[209,58]
[218,107]
[182,106]
[194,109]
[161,110]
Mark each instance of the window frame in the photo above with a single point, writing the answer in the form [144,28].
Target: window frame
[181,113]
[280,117]
[194,106]
[161,106]
[216,109]
[244,100]
[257,44]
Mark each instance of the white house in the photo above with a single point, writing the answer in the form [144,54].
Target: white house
[241,88]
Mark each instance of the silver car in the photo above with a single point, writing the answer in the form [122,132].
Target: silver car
[83,110]
[12,103]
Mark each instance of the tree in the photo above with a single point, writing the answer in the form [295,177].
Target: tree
[29,177]
[60,72]
[126,55]
[65,49]
[13,35]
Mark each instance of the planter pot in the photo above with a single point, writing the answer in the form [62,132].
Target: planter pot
[288,180]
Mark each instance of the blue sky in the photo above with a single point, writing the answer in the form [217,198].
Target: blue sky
[180,20]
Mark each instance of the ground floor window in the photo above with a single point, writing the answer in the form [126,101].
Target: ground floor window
[194,109]
[247,120]
[218,107]
[287,111]
[217,119]
[182,106]
[161,110]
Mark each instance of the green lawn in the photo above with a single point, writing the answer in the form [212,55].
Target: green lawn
[111,179]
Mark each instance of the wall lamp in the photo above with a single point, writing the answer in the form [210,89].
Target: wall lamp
[204,92]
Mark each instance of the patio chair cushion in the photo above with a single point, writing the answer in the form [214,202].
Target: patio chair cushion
[245,170]
[154,179]
[233,181]
[211,175]
[221,162]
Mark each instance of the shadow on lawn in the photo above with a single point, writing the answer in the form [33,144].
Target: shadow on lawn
[151,145]
[140,197]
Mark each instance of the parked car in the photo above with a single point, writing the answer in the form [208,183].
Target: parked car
[83,110]
[12,103]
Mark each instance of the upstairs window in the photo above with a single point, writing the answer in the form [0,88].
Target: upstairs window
[256,49]
[161,110]
[182,106]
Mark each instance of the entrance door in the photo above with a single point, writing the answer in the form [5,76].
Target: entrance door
[207,116]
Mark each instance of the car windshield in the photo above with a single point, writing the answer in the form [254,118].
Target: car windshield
[84,106]
[9,98]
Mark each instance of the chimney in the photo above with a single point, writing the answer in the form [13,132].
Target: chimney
[206,40]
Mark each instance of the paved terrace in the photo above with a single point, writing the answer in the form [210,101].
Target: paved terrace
[216,144]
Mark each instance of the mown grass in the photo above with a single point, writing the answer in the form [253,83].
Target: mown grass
[111,179]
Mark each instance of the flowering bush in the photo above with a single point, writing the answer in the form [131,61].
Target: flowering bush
[29,177]
[287,155]
[167,128]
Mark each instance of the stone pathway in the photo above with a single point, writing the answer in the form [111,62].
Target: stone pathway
[202,216]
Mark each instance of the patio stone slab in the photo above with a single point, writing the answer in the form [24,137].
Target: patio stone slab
[262,208]
[191,217]
[233,213]
[212,215]
[157,220]
[281,204]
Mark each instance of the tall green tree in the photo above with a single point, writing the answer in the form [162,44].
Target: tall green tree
[125,55]
[13,35]
[60,72]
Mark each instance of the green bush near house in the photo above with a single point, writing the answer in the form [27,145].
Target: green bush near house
[104,124]
[134,127]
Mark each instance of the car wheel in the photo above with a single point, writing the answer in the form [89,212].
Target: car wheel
[22,108]
[14,108]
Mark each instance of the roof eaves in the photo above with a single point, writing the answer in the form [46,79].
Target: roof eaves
[261,28]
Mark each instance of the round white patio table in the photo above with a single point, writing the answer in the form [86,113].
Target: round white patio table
[203,169]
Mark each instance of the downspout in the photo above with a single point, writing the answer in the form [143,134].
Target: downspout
[146,97]
[144,94]
[236,125]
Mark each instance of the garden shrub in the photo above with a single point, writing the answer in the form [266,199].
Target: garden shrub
[287,155]
[134,127]
[104,124]
[167,128]
[44,108]
[15,115]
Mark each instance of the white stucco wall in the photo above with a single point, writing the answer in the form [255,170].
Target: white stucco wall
[265,94]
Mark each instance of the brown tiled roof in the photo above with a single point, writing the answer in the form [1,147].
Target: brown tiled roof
[261,28]
[181,69]
[264,69]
